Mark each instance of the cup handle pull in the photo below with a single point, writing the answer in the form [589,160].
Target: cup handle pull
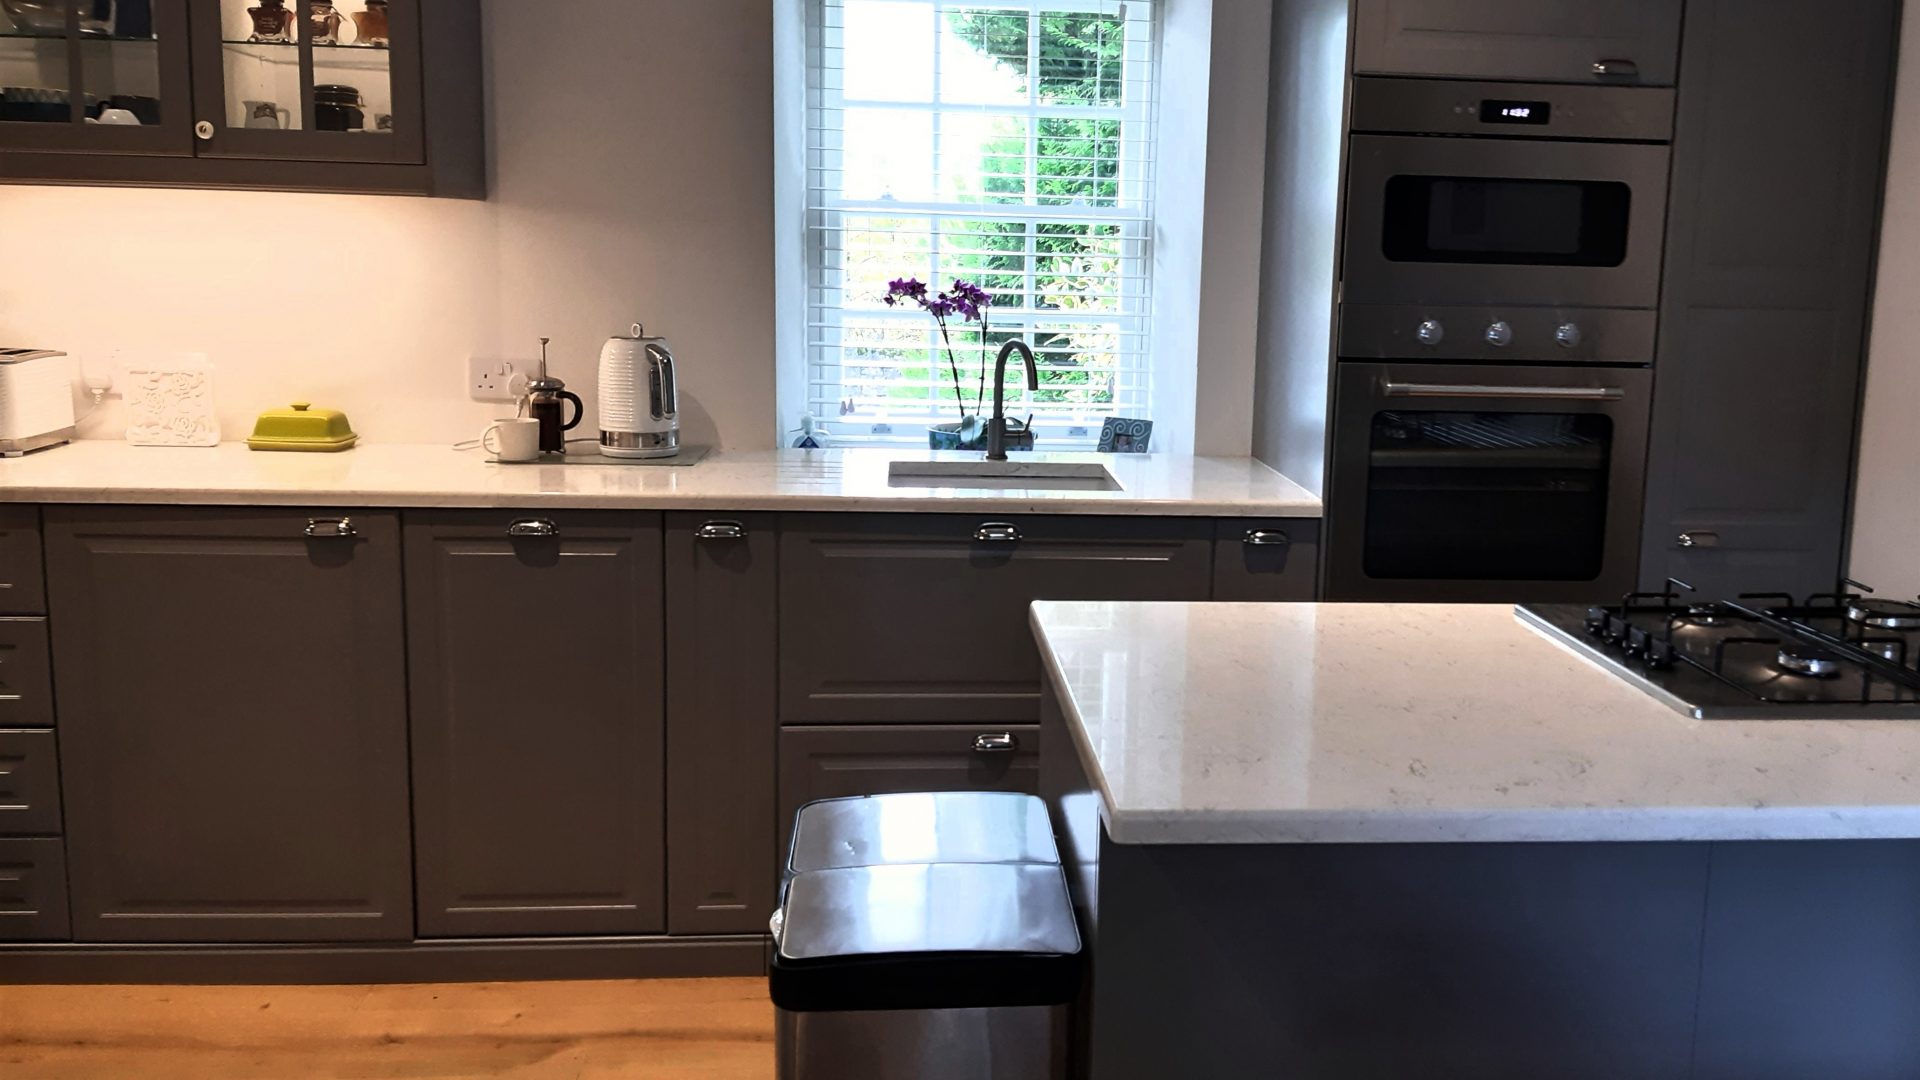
[331,529]
[533,527]
[1003,742]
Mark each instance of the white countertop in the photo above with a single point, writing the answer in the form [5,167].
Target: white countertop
[372,475]
[1366,723]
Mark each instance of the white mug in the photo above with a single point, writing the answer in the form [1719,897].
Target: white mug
[268,115]
[516,439]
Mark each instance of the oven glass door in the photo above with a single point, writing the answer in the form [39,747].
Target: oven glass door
[1486,483]
[1504,222]
[1454,221]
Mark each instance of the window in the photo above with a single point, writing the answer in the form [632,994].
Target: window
[1008,144]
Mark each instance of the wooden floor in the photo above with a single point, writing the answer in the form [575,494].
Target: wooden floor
[698,1028]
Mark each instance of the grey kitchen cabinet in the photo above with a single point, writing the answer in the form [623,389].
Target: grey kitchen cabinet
[537,692]
[21,590]
[1764,304]
[834,762]
[26,674]
[29,784]
[722,667]
[233,728]
[33,891]
[223,102]
[1266,561]
[889,619]
[1633,42]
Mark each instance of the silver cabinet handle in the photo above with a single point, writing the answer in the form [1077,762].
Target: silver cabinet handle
[1004,742]
[1698,539]
[331,529]
[997,532]
[1537,393]
[721,530]
[10,697]
[1625,69]
[528,527]
[1265,538]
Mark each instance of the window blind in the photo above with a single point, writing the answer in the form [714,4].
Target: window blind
[1009,144]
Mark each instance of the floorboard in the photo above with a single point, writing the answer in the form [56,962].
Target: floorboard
[701,1029]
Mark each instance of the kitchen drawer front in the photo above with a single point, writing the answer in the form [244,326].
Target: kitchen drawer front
[29,784]
[888,619]
[834,762]
[1266,561]
[26,674]
[33,891]
[22,584]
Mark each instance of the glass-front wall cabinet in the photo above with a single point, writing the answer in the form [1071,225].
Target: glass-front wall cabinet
[94,76]
[232,82]
[323,80]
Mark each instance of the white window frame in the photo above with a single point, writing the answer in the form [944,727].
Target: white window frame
[817,386]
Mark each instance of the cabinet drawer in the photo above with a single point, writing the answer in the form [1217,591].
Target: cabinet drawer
[22,590]
[29,784]
[833,762]
[26,676]
[33,891]
[920,618]
[1266,561]
[1538,40]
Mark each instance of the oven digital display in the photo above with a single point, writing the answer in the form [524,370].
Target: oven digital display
[1515,112]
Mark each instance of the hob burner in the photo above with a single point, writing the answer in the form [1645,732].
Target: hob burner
[1884,614]
[1707,615]
[1815,663]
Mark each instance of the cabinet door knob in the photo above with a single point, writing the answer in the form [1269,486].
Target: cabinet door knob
[1265,538]
[997,532]
[1698,539]
[1002,742]
[331,529]
[721,530]
[204,130]
[533,527]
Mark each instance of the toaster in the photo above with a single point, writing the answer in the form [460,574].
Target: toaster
[36,400]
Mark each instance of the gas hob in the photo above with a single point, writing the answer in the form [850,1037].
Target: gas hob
[1843,655]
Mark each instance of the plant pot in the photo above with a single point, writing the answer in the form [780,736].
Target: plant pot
[947,437]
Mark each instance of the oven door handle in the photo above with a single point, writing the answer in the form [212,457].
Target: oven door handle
[1533,393]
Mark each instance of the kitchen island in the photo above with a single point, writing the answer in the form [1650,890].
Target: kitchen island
[1422,840]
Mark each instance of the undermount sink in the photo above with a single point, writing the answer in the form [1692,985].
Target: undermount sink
[1023,475]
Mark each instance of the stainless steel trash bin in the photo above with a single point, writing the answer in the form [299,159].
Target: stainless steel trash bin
[925,937]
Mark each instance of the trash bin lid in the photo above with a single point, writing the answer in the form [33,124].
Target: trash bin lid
[928,908]
[926,936]
[927,827]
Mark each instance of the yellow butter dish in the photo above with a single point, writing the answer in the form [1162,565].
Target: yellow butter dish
[303,428]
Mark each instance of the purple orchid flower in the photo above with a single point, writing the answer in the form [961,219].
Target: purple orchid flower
[962,298]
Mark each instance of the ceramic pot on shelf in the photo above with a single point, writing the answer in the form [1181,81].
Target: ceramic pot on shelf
[370,26]
[272,22]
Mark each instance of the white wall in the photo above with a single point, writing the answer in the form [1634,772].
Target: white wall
[1886,518]
[631,149]
[1209,199]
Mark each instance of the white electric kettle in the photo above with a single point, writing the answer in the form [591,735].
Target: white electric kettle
[639,404]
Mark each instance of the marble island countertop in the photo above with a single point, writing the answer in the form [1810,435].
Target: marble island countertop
[1373,723]
[418,475]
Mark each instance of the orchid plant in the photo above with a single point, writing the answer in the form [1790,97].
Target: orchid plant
[969,303]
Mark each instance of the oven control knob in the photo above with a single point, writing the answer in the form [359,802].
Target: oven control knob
[1431,332]
[1568,335]
[1500,335]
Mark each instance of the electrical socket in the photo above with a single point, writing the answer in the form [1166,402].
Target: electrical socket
[490,380]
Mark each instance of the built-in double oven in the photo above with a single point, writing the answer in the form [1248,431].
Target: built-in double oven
[1499,286]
